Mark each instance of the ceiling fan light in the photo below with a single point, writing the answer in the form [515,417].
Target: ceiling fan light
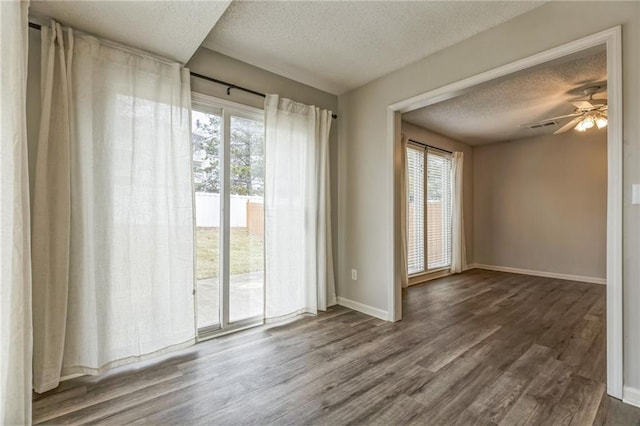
[601,122]
[580,127]
[588,123]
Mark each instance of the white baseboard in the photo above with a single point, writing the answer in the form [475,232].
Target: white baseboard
[579,278]
[365,309]
[631,396]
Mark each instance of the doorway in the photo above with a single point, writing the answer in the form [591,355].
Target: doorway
[611,39]
[228,175]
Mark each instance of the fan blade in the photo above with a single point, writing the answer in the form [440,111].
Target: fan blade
[574,114]
[583,104]
[568,126]
[551,119]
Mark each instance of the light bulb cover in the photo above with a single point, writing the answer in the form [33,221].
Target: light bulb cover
[588,123]
[580,127]
[601,122]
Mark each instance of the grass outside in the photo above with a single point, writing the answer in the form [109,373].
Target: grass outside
[246,252]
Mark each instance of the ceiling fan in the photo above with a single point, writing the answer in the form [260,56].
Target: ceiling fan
[589,113]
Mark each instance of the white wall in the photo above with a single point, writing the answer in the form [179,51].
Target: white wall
[541,204]
[366,187]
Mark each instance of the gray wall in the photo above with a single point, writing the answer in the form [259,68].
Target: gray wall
[541,204]
[428,137]
[217,65]
[221,67]
[367,186]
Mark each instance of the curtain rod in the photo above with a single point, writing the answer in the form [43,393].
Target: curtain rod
[430,146]
[204,77]
[234,86]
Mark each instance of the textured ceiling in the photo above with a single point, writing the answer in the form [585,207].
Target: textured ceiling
[173,29]
[337,46]
[494,111]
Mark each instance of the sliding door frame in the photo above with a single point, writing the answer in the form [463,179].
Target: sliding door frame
[226,109]
[427,274]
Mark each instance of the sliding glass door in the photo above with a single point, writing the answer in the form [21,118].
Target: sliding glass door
[246,239]
[228,170]
[439,213]
[206,138]
[429,209]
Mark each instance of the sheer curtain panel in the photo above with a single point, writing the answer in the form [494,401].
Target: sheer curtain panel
[112,215]
[52,211]
[298,259]
[404,273]
[458,246]
[15,266]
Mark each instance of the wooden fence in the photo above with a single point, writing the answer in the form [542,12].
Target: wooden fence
[255,218]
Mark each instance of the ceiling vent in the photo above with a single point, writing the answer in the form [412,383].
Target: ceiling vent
[543,124]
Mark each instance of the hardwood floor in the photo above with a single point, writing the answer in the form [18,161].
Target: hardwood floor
[480,347]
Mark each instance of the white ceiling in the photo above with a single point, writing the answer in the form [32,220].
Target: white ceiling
[340,45]
[494,111]
[173,29]
[332,45]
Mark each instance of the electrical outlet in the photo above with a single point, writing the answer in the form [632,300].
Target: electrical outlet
[354,274]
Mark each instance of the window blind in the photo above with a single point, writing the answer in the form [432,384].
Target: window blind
[439,210]
[415,210]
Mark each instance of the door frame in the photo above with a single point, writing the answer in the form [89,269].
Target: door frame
[612,39]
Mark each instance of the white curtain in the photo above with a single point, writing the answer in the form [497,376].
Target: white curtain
[112,215]
[404,271]
[299,270]
[458,247]
[15,266]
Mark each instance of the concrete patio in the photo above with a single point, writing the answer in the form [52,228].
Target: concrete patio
[246,298]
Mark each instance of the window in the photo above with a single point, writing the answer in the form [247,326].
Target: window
[429,209]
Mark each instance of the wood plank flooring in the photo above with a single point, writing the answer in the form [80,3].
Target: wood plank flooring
[480,347]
